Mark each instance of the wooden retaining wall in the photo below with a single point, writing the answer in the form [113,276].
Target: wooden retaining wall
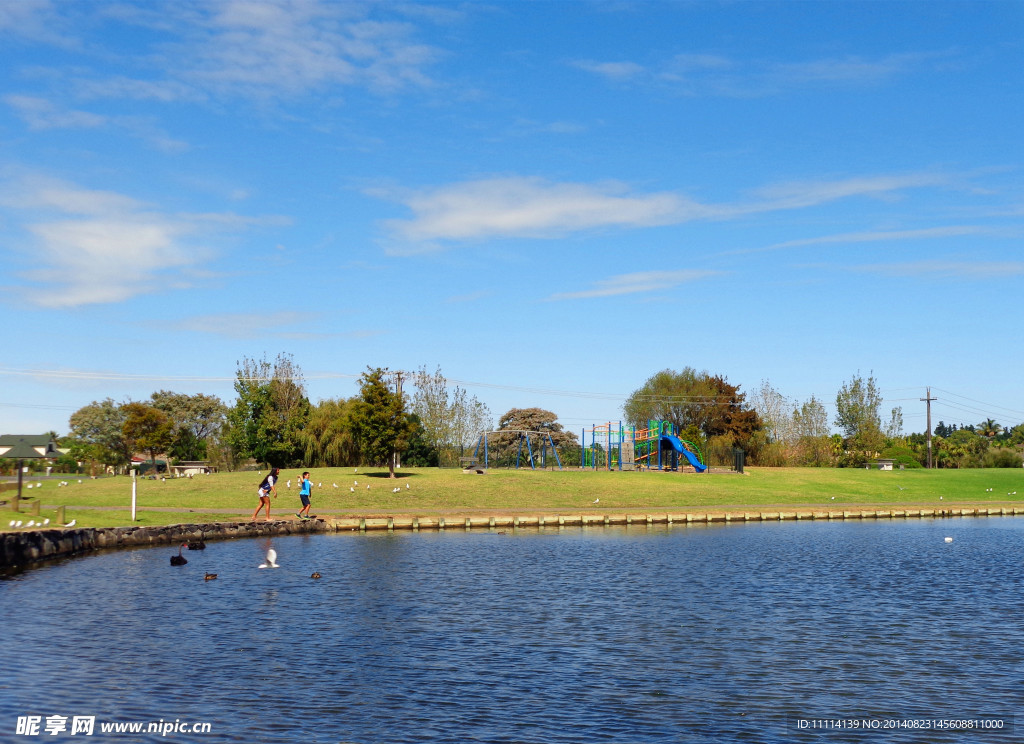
[30,546]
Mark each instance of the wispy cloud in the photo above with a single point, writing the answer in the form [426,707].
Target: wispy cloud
[534,207]
[616,71]
[520,207]
[927,233]
[41,114]
[715,74]
[286,324]
[636,283]
[944,269]
[89,246]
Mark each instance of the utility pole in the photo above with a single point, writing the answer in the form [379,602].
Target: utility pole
[928,400]
[398,389]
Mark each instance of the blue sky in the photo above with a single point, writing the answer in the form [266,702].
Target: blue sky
[550,200]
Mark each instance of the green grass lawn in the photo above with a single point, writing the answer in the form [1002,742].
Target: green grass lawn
[232,496]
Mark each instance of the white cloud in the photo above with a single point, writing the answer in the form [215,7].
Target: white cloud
[287,324]
[534,207]
[520,207]
[90,246]
[635,283]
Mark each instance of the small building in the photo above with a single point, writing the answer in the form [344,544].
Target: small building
[28,447]
[187,468]
[885,464]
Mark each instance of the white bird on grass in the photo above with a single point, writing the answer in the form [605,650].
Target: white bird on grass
[367,486]
[29,485]
[355,483]
[17,524]
[335,485]
[406,485]
[595,500]
[31,523]
[271,560]
[72,523]
[289,484]
[12,523]
[46,521]
[319,485]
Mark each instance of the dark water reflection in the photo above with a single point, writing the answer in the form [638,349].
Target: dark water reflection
[684,634]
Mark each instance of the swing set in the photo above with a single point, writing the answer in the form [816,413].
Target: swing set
[544,441]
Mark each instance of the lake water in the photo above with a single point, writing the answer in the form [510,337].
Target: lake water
[722,633]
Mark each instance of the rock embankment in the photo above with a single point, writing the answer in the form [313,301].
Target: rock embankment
[24,548]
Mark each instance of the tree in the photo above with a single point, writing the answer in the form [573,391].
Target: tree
[270,411]
[677,397]
[450,420]
[379,421]
[98,431]
[810,427]
[327,439]
[694,399]
[857,404]
[989,428]
[196,419]
[147,428]
[775,412]
[894,429]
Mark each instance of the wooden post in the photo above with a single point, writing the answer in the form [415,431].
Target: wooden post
[34,510]
[61,517]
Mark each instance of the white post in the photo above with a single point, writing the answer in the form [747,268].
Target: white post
[134,488]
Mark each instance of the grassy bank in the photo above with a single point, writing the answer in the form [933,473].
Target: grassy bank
[105,502]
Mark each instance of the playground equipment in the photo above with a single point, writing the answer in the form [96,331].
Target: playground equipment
[615,447]
[544,441]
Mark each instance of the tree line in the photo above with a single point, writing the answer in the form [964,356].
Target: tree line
[273,422]
[431,423]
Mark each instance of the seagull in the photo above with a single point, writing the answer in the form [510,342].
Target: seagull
[335,485]
[46,521]
[12,523]
[595,500]
[29,485]
[407,485]
[833,498]
[949,539]
[351,489]
[901,488]
[31,523]
[367,486]
[271,560]
[940,498]
[39,485]
[79,480]
[18,523]
[289,484]
[319,485]
[355,483]
[72,523]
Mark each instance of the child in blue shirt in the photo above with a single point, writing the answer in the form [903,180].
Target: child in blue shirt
[305,489]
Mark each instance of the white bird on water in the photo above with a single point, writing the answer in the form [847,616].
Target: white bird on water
[949,539]
[271,560]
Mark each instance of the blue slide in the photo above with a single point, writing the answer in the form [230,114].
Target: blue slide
[677,445]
